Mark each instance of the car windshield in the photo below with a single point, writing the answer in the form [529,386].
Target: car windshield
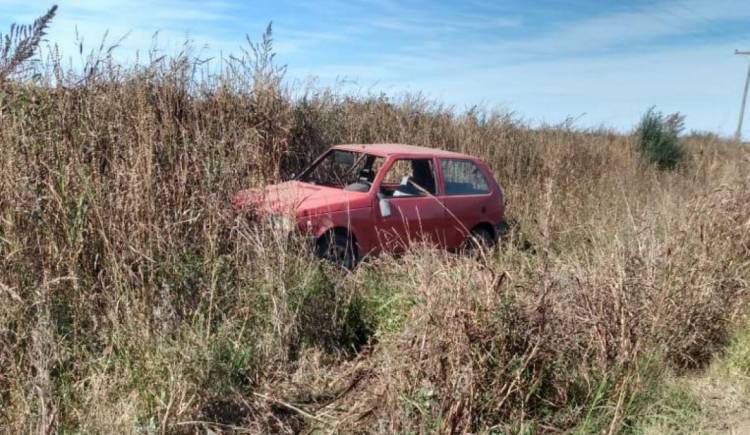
[340,168]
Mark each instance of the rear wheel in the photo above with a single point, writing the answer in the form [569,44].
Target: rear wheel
[338,248]
[480,238]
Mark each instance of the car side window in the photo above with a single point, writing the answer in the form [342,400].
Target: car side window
[409,177]
[463,177]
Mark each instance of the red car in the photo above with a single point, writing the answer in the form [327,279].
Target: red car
[357,200]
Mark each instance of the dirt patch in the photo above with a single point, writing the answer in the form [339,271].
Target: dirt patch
[725,403]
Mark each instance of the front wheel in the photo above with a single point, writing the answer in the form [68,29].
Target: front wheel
[337,248]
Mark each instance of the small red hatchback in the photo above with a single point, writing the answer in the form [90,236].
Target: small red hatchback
[358,200]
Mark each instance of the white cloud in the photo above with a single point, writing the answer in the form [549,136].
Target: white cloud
[657,20]
[575,69]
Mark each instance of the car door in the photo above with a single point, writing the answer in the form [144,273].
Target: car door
[467,197]
[416,214]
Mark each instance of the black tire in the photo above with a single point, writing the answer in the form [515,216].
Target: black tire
[337,248]
[480,238]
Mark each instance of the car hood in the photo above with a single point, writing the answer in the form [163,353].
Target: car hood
[295,197]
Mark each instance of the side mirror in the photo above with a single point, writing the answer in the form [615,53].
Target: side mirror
[384,204]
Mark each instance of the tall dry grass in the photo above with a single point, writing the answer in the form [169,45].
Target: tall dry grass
[133,300]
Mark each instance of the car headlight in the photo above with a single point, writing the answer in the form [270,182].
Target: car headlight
[281,223]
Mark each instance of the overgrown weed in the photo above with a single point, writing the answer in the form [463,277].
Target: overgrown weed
[133,299]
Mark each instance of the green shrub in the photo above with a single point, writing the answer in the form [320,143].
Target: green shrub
[658,139]
[333,316]
[738,354]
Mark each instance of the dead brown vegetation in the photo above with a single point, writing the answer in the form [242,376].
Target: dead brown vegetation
[132,300]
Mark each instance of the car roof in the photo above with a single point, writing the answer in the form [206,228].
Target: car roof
[388,149]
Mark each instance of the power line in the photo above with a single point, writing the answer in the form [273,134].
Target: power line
[690,16]
[692,26]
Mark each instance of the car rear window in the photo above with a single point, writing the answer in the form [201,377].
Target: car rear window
[463,177]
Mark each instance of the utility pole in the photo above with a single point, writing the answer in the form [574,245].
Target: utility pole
[738,135]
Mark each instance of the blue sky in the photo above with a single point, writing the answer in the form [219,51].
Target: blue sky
[603,62]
